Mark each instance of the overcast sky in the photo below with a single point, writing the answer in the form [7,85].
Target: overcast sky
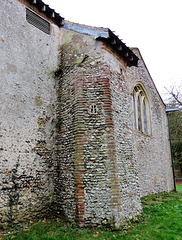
[154,26]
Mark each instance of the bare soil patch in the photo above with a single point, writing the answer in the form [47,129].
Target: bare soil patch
[178,181]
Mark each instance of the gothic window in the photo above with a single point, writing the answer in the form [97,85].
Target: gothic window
[141,110]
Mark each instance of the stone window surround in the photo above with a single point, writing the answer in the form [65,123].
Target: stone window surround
[141,108]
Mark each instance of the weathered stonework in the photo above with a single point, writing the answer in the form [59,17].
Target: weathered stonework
[152,152]
[68,142]
[27,99]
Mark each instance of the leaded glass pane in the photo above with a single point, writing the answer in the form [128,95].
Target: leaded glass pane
[134,111]
[145,117]
[139,115]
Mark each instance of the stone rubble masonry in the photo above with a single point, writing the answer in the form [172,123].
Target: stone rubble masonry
[152,152]
[87,82]
[27,115]
[68,144]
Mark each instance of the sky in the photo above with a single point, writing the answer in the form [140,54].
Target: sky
[154,26]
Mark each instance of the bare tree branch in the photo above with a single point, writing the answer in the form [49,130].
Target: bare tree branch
[175,95]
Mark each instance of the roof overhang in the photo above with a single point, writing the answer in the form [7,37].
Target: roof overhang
[172,110]
[107,36]
[47,11]
[120,48]
[101,34]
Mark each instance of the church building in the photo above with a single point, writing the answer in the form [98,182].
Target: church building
[83,129]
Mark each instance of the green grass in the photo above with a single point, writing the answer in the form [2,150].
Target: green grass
[162,219]
[179,188]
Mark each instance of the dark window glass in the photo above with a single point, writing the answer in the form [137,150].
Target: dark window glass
[134,111]
[139,115]
[145,117]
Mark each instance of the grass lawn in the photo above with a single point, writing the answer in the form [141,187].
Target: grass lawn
[162,219]
[179,188]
